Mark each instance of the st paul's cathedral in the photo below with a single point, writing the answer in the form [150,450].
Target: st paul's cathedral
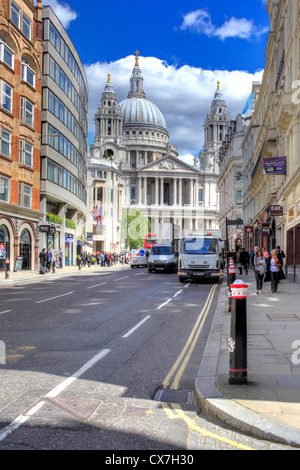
[133,167]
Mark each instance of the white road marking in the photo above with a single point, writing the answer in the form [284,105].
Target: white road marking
[56,297]
[162,305]
[21,419]
[136,327]
[5,311]
[177,293]
[97,285]
[120,278]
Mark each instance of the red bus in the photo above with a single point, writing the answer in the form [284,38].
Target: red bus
[150,240]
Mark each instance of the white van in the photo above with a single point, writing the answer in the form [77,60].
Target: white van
[161,258]
[138,258]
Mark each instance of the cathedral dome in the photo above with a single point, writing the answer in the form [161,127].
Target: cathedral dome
[140,111]
[137,110]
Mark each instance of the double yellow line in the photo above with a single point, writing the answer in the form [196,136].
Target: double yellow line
[189,347]
[178,369]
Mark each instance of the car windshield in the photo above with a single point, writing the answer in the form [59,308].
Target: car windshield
[199,246]
[161,250]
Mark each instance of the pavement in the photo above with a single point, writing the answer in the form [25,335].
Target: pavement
[20,276]
[268,406]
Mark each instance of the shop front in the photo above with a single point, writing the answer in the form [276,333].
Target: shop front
[4,246]
[69,250]
[25,249]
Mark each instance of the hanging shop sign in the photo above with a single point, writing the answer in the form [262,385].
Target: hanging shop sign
[276,211]
[275,166]
[248,229]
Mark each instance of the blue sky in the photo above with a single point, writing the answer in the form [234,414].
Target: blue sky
[186,46]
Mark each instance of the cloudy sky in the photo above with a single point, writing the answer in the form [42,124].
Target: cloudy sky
[186,47]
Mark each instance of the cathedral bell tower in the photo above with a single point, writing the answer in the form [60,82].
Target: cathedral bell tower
[216,126]
[108,118]
[137,81]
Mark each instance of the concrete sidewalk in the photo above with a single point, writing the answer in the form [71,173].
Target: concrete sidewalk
[22,276]
[268,407]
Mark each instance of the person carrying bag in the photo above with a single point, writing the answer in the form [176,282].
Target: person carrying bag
[260,268]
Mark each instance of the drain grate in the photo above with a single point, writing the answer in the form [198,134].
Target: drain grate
[174,396]
[288,317]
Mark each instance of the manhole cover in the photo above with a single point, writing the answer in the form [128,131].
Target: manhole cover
[174,396]
[55,407]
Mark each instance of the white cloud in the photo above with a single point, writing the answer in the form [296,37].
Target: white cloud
[200,21]
[63,11]
[183,95]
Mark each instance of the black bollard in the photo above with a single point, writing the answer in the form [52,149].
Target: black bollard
[7,269]
[238,342]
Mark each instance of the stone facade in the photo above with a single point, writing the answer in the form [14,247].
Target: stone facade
[20,123]
[274,133]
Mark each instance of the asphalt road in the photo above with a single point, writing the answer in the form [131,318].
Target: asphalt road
[105,361]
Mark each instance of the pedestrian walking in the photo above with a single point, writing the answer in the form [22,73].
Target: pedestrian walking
[60,258]
[260,268]
[89,259]
[274,271]
[280,256]
[243,261]
[43,261]
[49,260]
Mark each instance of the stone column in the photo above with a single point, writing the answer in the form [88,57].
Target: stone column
[175,192]
[180,192]
[156,190]
[161,191]
[145,190]
[191,192]
[139,196]
[195,192]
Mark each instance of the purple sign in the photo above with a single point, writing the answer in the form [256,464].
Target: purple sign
[275,166]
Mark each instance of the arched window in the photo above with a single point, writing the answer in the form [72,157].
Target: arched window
[7,55]
[27,73]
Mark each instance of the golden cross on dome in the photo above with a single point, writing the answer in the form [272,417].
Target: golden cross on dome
[137,57]
[108,78]
[218,85]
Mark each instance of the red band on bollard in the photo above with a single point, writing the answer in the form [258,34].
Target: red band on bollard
[238,370]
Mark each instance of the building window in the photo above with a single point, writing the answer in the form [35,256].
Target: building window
[27,196]
[4,189]
[239,174]
[239,198]
[26,26]
[26,112]
[27,74]
[15,14]
[26,154]
[6,143]
[6,53]
[20,195]
[7,97]
[200,195]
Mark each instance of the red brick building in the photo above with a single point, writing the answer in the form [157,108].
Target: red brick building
[20,131]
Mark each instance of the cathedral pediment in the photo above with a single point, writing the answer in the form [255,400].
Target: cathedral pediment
[170,164]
